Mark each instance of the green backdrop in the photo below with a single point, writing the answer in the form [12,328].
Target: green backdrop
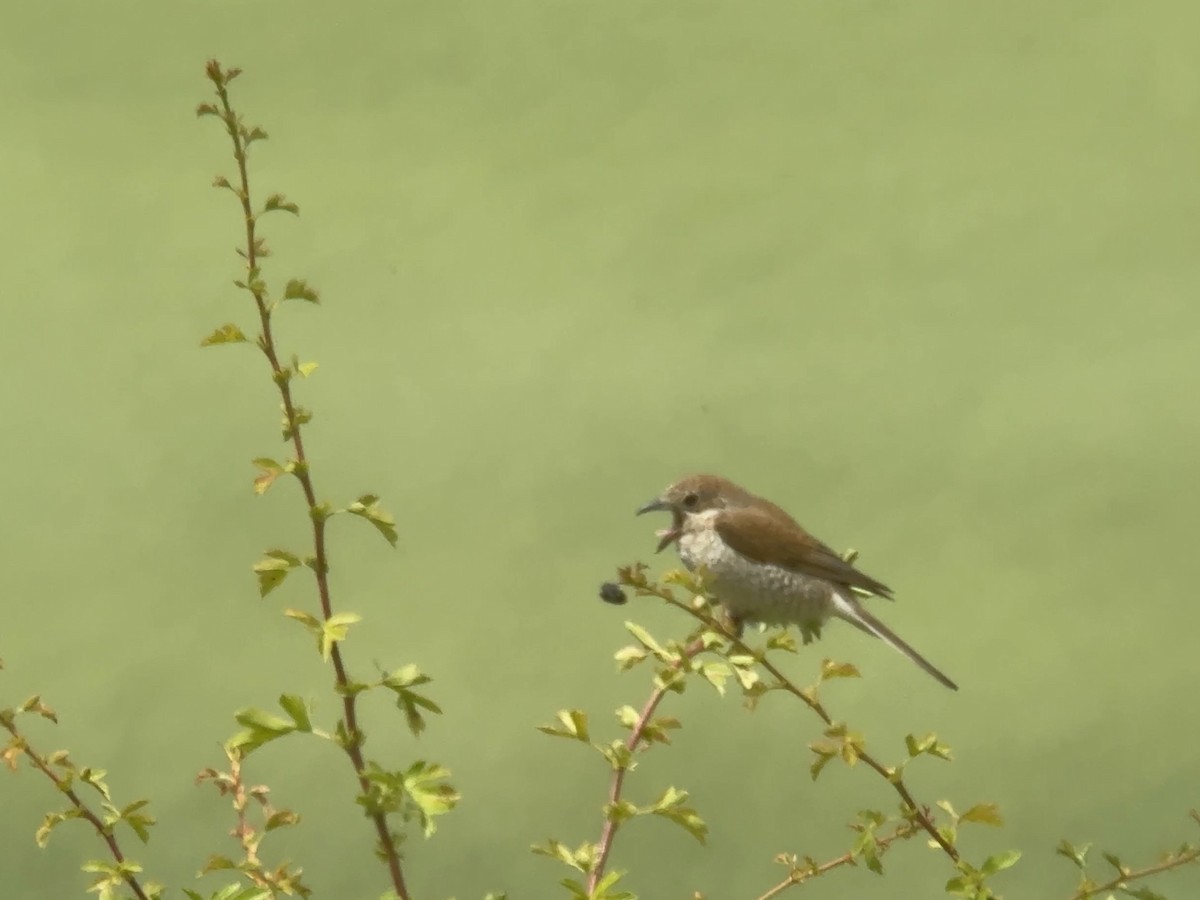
[925,273]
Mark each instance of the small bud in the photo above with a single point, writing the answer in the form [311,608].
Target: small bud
[610,592]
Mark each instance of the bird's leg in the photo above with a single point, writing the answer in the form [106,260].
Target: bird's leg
[810,631]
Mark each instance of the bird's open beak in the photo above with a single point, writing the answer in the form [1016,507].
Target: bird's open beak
[666,536]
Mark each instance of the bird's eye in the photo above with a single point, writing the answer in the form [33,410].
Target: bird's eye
[690,500]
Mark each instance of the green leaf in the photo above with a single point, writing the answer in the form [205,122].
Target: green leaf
[297,709]
[261,728]
[831,669]
[334,630]
[139,825]
[867,849]
[353,688]
[1000,862]
[628,716]
[405,676]
[261,720]
[1113,860]
[574,724]
[752,694]
[643,637]
[941,751]
[226,334]
[52,821]
[984,813]
[671,805]
[279,202]
[781,639]
[871,818]
[564,854]
[747,677]
[298,289]
[959,886]
[281,819]
[95,777]
[716,674]
[825,751]
[656,731]
[35,705]
[691,582]
[132,816]
[425,784]
[291,560]
[628,657]
[617,753]
[604,889]
[1077,855]
[927,745]
[620,811]
[217,863]
[401,681]
[236,891]
[320,513]
[306,369]
[301,416]
[269,470]
[367,507]
[272,569]
[311,622]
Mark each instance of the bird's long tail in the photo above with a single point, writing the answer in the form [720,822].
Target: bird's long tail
[848,608]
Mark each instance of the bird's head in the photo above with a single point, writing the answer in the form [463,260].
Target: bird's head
[690,496]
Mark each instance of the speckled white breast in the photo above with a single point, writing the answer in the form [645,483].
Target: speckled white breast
[748,589]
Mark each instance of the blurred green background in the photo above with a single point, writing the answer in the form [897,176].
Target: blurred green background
[926,274]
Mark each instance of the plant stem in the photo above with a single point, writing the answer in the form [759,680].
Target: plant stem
[609,832]
[799,876]
[353,743]
[104,831]
[1175,861]
[920,815]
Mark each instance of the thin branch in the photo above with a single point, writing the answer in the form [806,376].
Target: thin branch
[353,743]
[636,736]
[85,812]
[1175,861]
[243,831]
[890,775]
[283,880]
[919,814]
[801,875]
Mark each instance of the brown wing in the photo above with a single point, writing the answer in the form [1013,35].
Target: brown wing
[766,538]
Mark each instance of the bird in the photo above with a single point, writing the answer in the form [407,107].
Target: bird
[762,566]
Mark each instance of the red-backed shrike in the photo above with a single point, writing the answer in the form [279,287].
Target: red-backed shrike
[762,566]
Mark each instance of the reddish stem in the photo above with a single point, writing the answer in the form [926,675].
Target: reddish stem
[353,746]
[636,735]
